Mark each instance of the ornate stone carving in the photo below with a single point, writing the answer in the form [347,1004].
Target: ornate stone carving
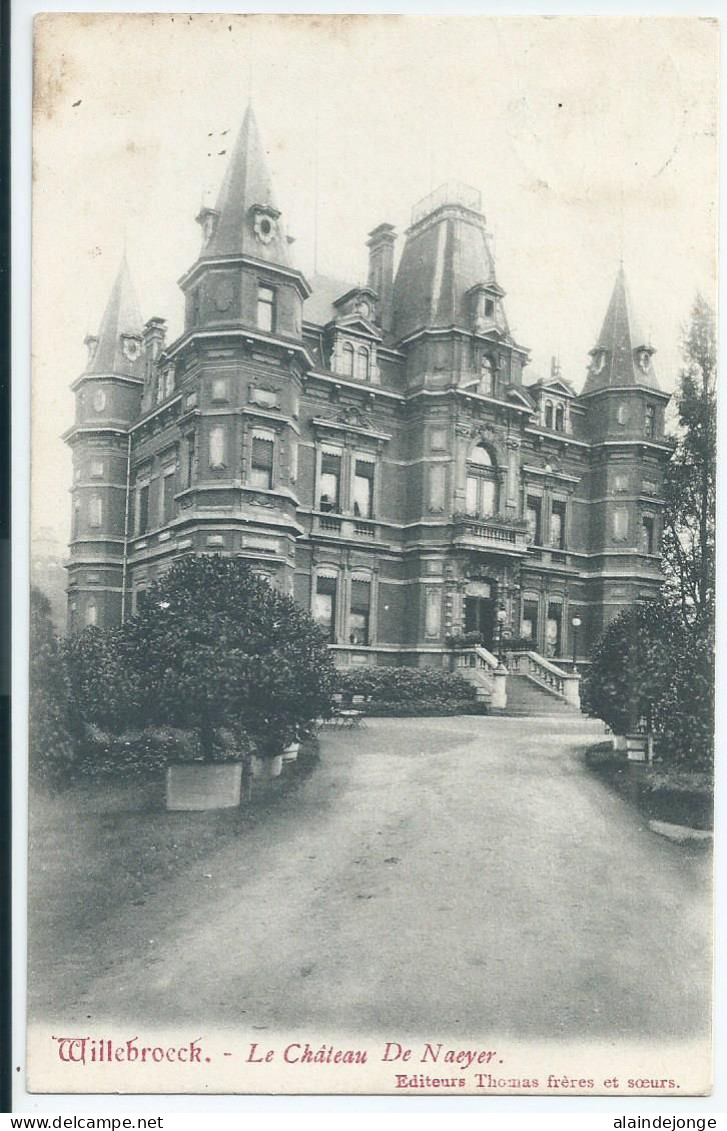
[352,415]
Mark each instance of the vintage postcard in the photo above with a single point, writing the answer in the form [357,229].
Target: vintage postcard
[372,599]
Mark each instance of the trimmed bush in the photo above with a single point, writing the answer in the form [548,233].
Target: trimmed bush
[214,647]
[425,709]
[651,671]
[406,685]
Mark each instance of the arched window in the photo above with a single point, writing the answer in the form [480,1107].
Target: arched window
[560,419]
[481,456]
[481,485]
[362,363]
[548,415]
[347,360]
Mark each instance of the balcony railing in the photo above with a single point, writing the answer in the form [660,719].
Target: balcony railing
[489,531]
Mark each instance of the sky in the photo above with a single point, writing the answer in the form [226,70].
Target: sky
[590,139]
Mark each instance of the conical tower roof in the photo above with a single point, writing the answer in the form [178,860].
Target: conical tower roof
[622,354]
[116,350]
[245,201]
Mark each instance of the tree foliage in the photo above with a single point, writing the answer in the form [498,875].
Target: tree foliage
[214,646]
[650,669]
[689,516]
[52,746]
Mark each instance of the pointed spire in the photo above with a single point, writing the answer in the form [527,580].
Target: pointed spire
[118,347]
[247,220]
[622,355]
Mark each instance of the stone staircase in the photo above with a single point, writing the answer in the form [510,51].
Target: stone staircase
[526,698]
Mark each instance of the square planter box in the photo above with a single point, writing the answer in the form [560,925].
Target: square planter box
[203,785]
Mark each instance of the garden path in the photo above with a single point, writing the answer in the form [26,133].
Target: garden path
[442,875]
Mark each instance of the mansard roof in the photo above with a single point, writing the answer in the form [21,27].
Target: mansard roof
[446,255]
[121,324]
[622,355]
[245,195]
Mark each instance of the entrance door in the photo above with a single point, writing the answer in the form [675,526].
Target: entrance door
[479,616]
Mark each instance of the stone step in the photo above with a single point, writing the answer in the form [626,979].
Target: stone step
[525,699]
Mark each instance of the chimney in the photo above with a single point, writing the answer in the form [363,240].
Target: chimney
[155,331]
[381,270]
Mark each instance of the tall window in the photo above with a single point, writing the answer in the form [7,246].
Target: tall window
[360,612]
[261,460]
[481,485]
[324,606]
[487,377]
[647,534]
[191,456]
[529,626]
[557,525]
[95,511]
[330,491]
[266,308]
[553,630]
[535,510]
[560,419]
[75,519]
[548,415]
[347,360]
[362,363]
[649,422]
[621,413]
[363,488]
[91,613]
[168,498]
[217,447]
[142,509]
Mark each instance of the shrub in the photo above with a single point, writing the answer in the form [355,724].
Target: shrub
[651,671]
[426,708]
[52,742]
[406,685]
[214,647]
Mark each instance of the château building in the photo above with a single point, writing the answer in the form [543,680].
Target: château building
[377,451]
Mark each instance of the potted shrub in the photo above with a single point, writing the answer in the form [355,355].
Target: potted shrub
[214,648]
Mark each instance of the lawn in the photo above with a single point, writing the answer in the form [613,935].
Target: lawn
[96,847]
[662,793]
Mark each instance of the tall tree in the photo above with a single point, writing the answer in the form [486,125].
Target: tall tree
[689,516]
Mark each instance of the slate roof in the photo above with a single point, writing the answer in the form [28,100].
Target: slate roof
[247,182]
[445,255]
[326,289]
[122,316]
[614,357]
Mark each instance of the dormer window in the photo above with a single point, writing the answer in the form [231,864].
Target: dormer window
[643,359]
[347,360]
[362,364]
[131,346]
[489,308]
[264,223]
[207,219]
[599,360]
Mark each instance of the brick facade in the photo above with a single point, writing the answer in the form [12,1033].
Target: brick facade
[375,451]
